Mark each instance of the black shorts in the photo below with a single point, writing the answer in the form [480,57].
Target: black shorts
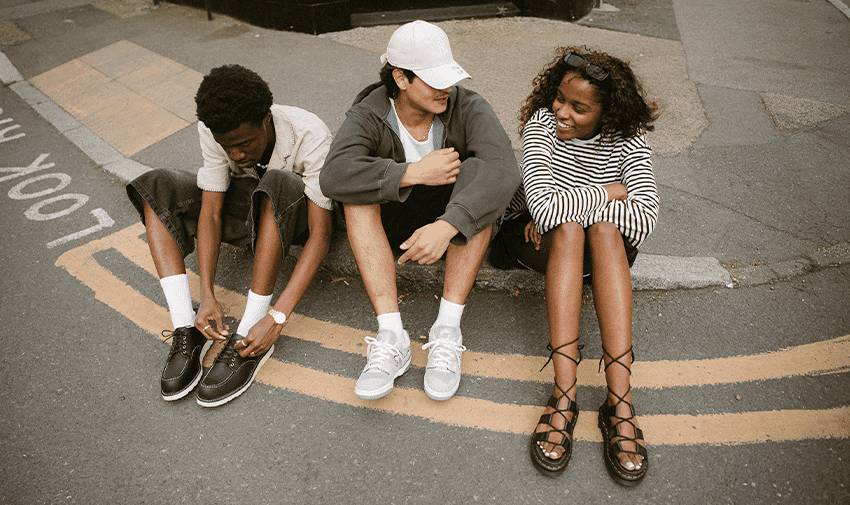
[509,249]
[424,205]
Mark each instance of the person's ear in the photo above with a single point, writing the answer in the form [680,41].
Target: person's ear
[400,79]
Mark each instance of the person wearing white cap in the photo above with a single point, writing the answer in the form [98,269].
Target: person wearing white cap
[423,169]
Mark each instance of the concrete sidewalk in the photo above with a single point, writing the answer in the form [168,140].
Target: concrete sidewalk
[120,82]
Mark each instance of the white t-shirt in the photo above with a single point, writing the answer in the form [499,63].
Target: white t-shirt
[414,150]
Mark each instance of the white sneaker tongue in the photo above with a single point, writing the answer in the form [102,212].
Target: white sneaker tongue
[445,333]
[388,337]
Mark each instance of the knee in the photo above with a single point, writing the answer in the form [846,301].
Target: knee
[361,214]
[147,178]
[264,203]
[140,189]
[483,235]
[279,189]
[568,232]
[605,239]
[604,233]
[285,181]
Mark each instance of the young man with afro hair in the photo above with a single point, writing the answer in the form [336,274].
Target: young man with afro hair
[259,185]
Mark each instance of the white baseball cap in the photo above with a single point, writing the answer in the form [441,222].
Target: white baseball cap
[424,49]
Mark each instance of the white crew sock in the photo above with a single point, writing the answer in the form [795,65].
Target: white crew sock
[449,315]
[179,300]
[392,321]
[255,309]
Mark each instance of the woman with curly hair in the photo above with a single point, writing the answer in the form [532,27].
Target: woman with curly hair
[588,201]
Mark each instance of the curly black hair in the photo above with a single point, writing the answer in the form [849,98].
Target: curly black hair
[231,95]
[624,106]
[388,80]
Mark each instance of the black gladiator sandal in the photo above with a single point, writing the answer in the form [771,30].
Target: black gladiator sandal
[610,432]
[547,465]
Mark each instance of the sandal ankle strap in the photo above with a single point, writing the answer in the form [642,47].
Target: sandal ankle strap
[617,359]
[557,350]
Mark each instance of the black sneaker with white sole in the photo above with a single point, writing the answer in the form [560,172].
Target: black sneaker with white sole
[230,375]
[183,368]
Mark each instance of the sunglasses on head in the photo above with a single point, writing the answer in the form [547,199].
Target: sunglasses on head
[594,71]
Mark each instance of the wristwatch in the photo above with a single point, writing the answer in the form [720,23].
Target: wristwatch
[278,316]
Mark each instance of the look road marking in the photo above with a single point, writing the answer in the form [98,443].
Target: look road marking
[831,356]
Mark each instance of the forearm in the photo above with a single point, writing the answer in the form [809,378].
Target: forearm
[308,264]
[634,218]
[207,263]
[551,207]
[305,271]
[364,181]
[209,243]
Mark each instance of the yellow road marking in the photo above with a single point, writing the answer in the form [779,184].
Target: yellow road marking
[749,427]
[811,359]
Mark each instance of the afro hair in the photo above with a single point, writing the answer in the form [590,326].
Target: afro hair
[231,95]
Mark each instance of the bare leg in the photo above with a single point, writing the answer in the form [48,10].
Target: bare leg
[563,308]
[373,255]
[164,249]
[462,264]
[268,254]
[168,260]
[612,295]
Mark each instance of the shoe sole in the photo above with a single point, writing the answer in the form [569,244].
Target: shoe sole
[241,390]
[384,391]
[188,389]
[440,396]
[544,467]
[625,481]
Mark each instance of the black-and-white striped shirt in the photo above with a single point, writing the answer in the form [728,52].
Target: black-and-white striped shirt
[563,179]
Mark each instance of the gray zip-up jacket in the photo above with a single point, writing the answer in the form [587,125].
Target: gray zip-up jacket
[366,160]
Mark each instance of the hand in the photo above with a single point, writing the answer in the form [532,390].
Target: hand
[616,191]
[531,235]
[209,320]
[429,243]
[260,338]
[437,168]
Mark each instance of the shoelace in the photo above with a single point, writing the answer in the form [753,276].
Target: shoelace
[178,341]
[379,353]
[228,353]
[444,352]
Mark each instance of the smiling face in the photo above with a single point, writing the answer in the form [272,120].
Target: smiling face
[419,96]
[577,109]
[246,144]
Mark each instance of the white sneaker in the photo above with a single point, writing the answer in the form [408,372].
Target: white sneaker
[442,375]
[387,358]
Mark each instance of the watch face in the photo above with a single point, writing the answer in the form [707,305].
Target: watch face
[279,317]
